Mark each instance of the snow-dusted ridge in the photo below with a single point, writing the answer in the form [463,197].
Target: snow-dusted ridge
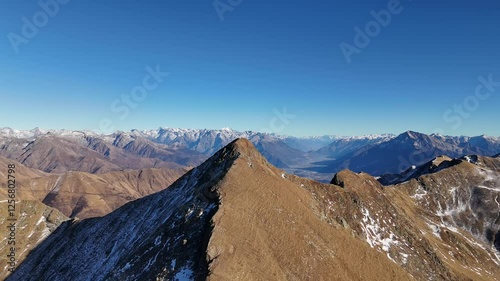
[205,141]
[166,131]
[157,237]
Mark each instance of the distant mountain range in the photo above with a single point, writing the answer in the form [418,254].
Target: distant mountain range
[396,154]
[60,151]
[236,216]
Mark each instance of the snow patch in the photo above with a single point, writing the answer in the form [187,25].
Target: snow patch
[376,235]
[419,193]
[436,230]
[42,219]
[185,274]
[404,258]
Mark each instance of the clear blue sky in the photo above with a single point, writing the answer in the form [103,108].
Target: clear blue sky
[264,55]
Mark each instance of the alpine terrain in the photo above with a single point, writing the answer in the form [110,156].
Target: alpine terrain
[237,217]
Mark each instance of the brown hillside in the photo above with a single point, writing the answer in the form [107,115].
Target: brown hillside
[84,195]
[268,227]
[236,217]
[57,154]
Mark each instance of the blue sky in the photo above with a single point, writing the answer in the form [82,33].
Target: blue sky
[419,72]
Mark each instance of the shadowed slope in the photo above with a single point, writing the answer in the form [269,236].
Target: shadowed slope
[265,227]
[238,217]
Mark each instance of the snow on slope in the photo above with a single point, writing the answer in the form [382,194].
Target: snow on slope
[158,236]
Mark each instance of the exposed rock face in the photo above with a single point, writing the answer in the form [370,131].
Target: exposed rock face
[62,151]
[465,196]
[238,217]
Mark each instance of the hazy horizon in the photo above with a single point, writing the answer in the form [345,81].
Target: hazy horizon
[241,131]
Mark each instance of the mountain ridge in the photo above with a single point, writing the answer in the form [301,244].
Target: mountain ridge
[354,228]
[181,250]
[410,148]
[61,150]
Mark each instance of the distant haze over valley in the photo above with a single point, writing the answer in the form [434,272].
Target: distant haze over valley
[316,157]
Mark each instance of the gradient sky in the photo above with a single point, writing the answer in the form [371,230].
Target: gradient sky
[266,55]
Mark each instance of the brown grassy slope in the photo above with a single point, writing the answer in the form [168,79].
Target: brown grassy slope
[35,221]
[359,205]
[391,222]
[55,154]
[84,195]
[273,226]
[268,228]
[23,176]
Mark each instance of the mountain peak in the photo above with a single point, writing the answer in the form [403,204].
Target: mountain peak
[243,146]
[240,148]
[412,134]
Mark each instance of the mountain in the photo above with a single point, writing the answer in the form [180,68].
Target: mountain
[84,195]
[145,148]
[238,217]
[343,146]
[462,197]
[307,144]
[410,148]
[207,142]
[433,166]
[60,152]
